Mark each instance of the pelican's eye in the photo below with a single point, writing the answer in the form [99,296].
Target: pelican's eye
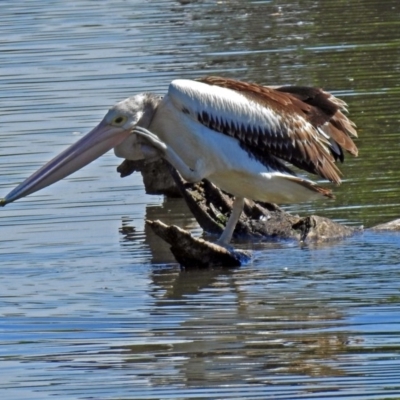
[119,120]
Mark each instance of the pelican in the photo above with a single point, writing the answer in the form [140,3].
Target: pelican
[243,137]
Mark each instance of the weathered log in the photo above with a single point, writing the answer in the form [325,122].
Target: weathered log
[156,176]
[195,252]
[211,208]
[388,226]
[320,229]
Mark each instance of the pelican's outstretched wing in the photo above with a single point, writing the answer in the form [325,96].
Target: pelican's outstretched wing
[301,125]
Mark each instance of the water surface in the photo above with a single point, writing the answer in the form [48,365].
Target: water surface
[93,305]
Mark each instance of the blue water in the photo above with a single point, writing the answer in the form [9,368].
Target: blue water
[93,305]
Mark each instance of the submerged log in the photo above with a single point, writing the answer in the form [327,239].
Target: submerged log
[211,207]
[319,229]
[388,226]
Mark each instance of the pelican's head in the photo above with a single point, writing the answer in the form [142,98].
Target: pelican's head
[133,111]
[115,128]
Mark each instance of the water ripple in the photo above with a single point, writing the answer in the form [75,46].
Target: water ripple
[93,304]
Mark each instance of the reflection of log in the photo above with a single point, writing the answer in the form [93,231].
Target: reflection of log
[211,208]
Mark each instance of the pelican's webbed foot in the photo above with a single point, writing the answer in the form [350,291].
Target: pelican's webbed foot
[149,138]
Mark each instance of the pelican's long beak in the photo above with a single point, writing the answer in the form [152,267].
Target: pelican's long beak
[97,142]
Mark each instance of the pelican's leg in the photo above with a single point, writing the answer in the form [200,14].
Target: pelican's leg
[237,209]
[169,154]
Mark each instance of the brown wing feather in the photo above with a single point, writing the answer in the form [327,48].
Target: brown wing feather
[314,151]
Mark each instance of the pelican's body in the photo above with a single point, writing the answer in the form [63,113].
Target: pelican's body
[237,135]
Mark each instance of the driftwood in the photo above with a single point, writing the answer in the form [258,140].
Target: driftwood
[211,208]
[156,177]
[388,226]
[194,252]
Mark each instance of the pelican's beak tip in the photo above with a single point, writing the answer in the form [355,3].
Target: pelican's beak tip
[3,202]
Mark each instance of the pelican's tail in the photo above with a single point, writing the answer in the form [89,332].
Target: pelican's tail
[284,188]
